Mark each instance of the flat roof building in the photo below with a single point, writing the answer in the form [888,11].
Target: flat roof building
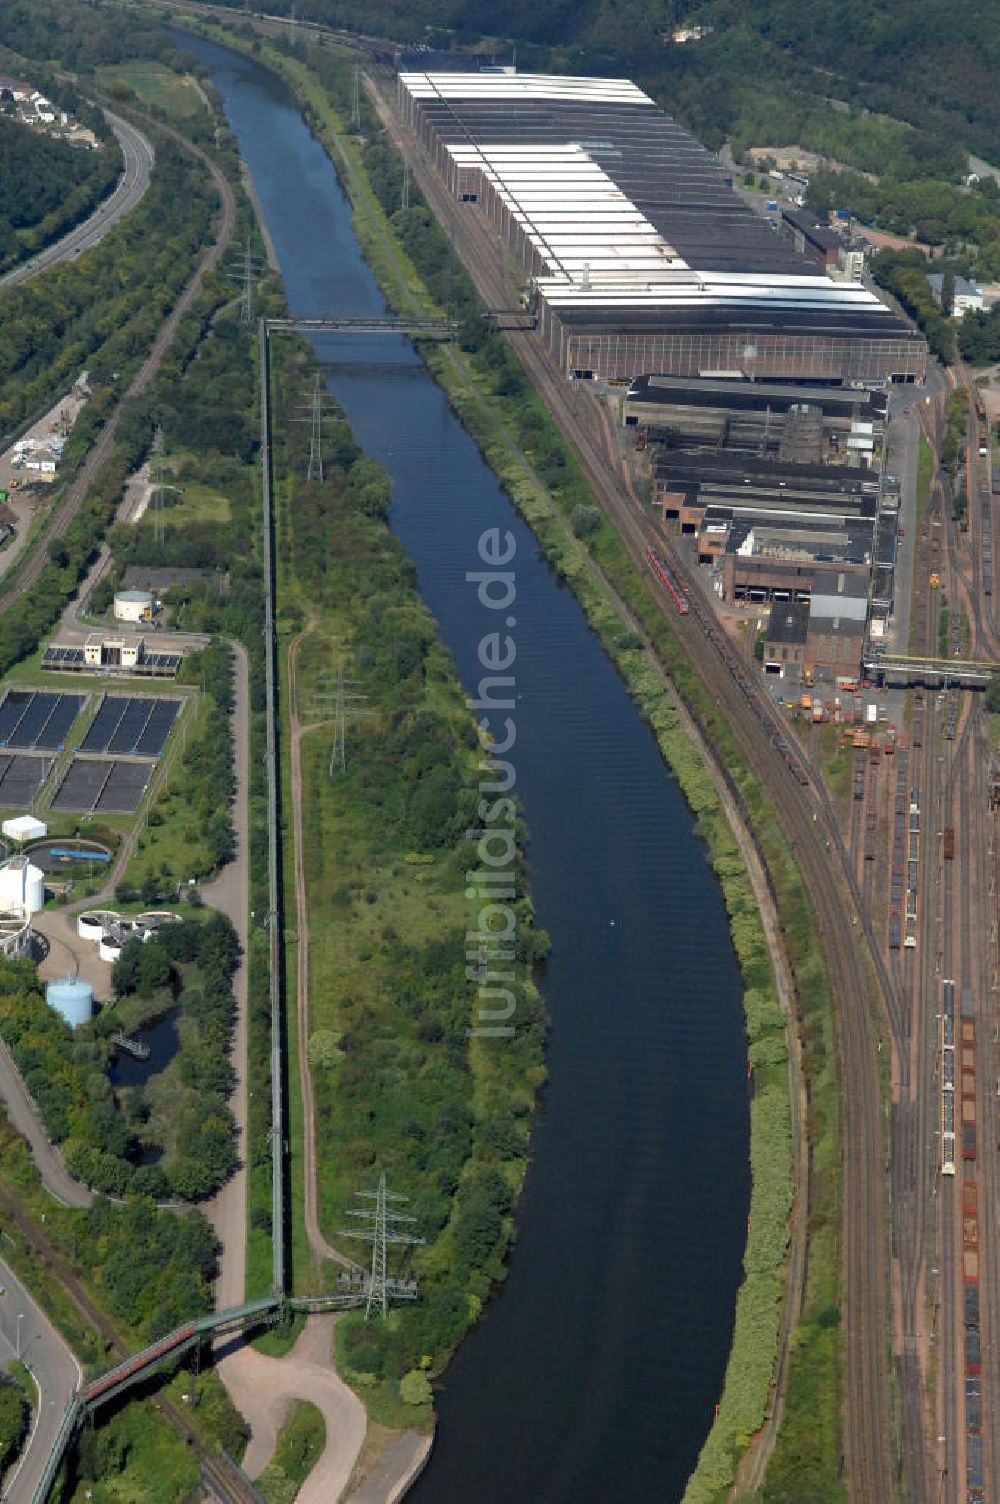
[639,255]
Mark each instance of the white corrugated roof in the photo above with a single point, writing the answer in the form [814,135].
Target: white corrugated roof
[513,86]
[597,246]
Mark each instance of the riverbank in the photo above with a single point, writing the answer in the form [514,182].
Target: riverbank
[771,1123]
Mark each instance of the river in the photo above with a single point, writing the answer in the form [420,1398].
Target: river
[595,1373]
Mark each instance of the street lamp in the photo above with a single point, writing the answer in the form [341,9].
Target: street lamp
[20,1318]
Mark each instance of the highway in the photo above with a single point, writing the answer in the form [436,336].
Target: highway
[26,1331]
[63,512]
[803,818]
[138,158]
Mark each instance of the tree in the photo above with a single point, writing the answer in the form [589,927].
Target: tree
[415,1388]
[948,293]
[14,1416]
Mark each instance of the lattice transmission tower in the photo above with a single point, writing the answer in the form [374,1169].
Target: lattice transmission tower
[385,1231]
[157,482]
[315,416]
[336,699]
[356,105]
[244,269]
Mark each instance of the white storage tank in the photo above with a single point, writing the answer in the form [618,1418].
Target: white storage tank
[133,605]
[22,885]
[72,999]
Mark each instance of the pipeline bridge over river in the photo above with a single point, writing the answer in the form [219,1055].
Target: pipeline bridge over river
[227,1480]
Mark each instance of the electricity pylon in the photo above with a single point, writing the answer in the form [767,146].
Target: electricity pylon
[341,709]
[314,417]
[156,481]
[384,1230]
[244,269]
[315,470]
[343,701]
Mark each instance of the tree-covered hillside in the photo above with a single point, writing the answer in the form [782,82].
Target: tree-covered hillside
[767,69]
[46,185]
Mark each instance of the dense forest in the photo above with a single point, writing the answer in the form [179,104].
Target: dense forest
[46,186]
[772,69]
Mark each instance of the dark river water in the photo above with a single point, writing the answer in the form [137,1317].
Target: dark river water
[595,1374]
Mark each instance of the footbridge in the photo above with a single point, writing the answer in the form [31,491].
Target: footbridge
[414,328]
[899,670]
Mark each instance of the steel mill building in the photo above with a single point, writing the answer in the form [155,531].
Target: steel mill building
[639,256]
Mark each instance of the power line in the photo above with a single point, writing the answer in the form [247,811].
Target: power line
[405,200]
[356,110]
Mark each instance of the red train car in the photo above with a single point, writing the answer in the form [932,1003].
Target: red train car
[664,572]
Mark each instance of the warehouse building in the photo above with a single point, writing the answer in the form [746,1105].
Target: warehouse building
[754,416]
[638,254]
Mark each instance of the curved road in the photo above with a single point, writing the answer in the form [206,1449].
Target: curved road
[66,509]
[54,1369]
[138,156]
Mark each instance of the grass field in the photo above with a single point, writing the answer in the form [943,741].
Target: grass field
[156,86]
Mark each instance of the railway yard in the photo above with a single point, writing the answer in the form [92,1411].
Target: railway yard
[882,774]
[902,871]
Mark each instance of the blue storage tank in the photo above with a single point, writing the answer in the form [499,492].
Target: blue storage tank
[72,998]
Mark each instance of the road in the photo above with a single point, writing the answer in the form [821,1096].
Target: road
[138,157]
[23,1115]
[867,1429]
[26,1330]
[264,1388]
[63,512]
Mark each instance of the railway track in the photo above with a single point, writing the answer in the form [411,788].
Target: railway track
[804,818]
[35,558]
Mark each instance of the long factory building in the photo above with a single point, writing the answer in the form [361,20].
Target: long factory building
[640,257]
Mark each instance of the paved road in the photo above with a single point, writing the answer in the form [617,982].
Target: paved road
[263,1389]
[55,1371]
[66,509]
[24,1117]
[138,157]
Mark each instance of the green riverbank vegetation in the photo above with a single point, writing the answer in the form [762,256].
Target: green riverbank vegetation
[399,1086]
[491,394]
[301,1441]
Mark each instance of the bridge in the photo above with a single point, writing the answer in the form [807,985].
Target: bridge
[899,670]
[414,328]
[137,1368]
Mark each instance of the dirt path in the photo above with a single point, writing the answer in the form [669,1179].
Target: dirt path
[320,1247]
[263,1390]
[230,894]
